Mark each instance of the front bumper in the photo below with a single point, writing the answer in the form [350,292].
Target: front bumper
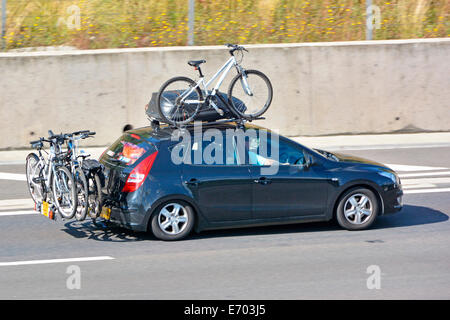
[393,199]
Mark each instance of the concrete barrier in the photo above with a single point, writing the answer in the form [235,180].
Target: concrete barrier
[319,88]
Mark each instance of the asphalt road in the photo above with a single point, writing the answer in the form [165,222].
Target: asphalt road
[305,261]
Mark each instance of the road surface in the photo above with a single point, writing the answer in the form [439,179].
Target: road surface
[409,249]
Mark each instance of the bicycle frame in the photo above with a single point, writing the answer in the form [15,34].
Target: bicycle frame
[223,71]
[74,157]
[48,167]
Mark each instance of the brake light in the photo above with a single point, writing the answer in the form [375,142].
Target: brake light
[137,175]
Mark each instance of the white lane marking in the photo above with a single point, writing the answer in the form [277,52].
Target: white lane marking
[418,186]
[427,190]
[425,180]
[11,204]
[30,262]
[382,147]
[17,213]
[403,167]
[409,168]
[424,174]
[13,176]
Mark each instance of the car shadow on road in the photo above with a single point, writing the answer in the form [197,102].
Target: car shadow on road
[410,215]
[88,230]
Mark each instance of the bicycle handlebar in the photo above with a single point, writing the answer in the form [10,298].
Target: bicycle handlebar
[84,133]
[60,138]
[80,132]
[235,47]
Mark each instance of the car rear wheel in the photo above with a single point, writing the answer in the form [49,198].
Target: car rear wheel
[357,209]
[173,220]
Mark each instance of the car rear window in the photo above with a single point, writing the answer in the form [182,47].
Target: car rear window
[128,149]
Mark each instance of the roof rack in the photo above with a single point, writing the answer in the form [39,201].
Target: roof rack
[155,123]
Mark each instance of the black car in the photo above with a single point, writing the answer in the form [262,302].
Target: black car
[171,181]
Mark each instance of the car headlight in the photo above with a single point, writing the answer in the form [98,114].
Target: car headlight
[390,175]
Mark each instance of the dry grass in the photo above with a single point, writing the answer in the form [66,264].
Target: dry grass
[141,23]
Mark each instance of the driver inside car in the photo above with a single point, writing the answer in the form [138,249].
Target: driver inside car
[255,158]
[286,155]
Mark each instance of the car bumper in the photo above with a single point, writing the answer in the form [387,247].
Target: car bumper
[130,219]
[393,200]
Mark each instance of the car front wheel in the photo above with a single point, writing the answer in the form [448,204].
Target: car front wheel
[173,220]
[357,209]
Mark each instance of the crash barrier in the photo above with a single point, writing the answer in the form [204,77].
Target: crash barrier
[319,88]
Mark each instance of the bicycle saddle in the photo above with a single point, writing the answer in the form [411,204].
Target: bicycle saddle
[195,63]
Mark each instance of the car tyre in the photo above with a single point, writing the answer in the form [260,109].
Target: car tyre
[357,209]
[173,220]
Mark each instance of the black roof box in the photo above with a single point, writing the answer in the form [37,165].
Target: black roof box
[205,114]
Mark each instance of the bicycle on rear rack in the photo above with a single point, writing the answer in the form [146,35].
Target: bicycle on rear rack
[87,176]
[49,182]
[180,99]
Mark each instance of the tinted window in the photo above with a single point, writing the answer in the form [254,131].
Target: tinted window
[269,148]
[214,152]
[254,147]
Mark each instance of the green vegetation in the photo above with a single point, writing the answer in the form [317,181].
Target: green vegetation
[144,23]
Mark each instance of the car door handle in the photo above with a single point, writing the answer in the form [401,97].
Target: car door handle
[263,181]
[193,182]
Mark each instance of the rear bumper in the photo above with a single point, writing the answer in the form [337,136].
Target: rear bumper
[130,219]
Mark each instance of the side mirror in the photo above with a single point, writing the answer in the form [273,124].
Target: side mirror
[308,161]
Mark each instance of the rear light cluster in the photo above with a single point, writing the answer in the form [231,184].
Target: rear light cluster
[139,174]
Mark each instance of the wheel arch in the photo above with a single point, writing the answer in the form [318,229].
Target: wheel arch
[359,184]
[179,197]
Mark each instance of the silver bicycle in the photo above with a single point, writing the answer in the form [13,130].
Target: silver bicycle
[180,98]
[48,180]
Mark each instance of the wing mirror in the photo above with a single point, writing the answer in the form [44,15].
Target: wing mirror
[308,162]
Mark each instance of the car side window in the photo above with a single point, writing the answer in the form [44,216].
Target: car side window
[288,154]
[213,153]
[258,147]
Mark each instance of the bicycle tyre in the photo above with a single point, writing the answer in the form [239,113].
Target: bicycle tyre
[72,191]
[83,190]
[159,100]
[34,157]
[267,103]
[95,206]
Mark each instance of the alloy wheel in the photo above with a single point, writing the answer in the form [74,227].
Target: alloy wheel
[173,219]
[358,208]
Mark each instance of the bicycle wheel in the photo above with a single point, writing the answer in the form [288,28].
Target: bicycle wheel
[64,192]
[176,104]
[82,194]
[251,103]
[95,196]
[34,170]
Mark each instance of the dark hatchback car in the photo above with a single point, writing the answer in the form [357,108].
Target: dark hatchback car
[172,181]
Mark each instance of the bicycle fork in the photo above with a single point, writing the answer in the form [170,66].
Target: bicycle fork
[244,81]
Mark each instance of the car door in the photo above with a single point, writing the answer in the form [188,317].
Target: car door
[299,188]
[222,190]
